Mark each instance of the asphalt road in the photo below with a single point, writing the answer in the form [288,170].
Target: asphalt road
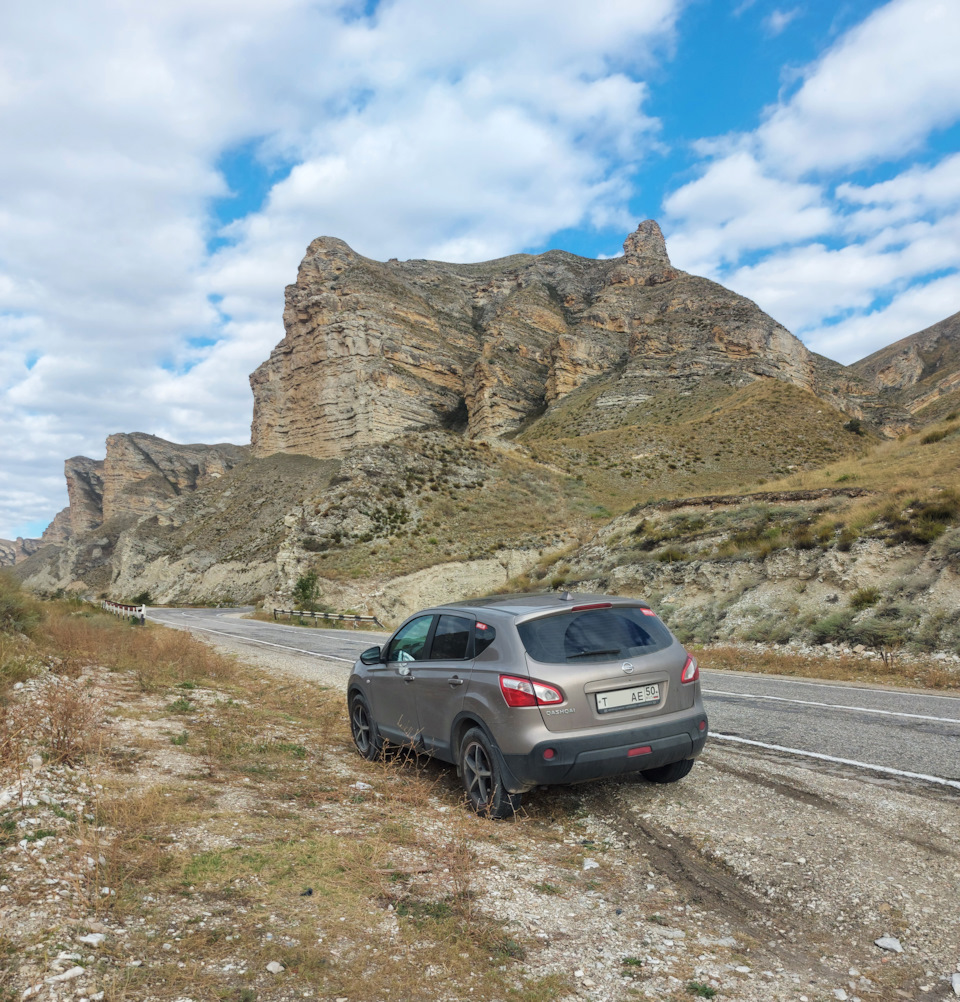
[913,735]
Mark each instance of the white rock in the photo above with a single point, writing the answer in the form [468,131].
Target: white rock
[889,943]
[742,969]
[839,993]
[74,972]
[590,864]
[955,983]
[35,761]
[18,685]
[94,938]
[360,785]
[275,968]
[578,973]
[587,983]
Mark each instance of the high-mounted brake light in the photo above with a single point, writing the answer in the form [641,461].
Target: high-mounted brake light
[691,670]
[528,692]
[596,605]
[647,612]
[482,626]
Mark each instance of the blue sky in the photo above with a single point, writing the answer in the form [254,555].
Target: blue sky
[165,166]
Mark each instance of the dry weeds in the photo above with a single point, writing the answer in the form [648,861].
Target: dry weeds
[901,670]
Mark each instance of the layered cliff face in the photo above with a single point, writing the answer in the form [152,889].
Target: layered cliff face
[140,474]
[919,371]
[14,551]
[375,349]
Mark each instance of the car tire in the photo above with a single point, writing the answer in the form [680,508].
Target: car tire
[364,729]
[669,773]
[482,778]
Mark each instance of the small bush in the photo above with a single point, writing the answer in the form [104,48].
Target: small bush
[854,426]
[671,554]
[834,628]
[769,630]
[19,612]
[935,436]
[863,598]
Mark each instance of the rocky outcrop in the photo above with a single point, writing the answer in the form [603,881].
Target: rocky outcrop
[13,551]
[140,474]
[918,370]
[85,491]
[372,349]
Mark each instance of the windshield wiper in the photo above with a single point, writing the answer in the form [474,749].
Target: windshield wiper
[590,654]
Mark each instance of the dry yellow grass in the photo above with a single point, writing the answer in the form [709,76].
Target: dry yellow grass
[900,670]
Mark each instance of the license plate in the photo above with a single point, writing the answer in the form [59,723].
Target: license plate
[623,699]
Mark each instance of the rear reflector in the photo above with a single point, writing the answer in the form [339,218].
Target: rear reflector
[548,753]
[702,725]
[691,670]
[644,750]
[596,605]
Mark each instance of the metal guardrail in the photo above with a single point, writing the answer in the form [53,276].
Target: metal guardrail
[119,609]
[341,617]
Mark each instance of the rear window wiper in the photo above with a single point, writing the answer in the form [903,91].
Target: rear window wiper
[590,654]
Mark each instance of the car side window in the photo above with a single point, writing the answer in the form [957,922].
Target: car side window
[451,639]
[411,642]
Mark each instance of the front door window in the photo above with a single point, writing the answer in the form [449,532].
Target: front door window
[410,644]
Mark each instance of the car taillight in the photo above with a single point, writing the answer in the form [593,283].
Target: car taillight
[528,692]
[691,670]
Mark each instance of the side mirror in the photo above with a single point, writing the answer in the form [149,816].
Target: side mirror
[371,656]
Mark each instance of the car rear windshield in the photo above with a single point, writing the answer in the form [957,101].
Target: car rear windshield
[594,635]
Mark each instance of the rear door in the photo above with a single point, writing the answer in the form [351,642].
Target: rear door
[442,681]
[614,664]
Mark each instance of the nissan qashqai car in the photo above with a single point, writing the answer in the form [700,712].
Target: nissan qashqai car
[530,690]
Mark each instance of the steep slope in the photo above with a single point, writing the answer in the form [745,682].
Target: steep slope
[373,350]
[921,372]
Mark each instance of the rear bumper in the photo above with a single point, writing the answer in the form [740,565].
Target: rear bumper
[587,757]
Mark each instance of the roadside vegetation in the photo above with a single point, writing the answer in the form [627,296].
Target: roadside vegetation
[206,821]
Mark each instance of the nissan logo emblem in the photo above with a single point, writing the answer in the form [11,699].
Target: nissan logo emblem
[627,667]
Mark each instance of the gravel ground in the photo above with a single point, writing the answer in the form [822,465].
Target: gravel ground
[772,878]
[757,878]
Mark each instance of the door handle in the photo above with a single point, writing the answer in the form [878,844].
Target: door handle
[454,681]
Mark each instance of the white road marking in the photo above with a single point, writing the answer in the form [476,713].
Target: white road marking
[832,706]
[841,761]
[832,685]
[283,647]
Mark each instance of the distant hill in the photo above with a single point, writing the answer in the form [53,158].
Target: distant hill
[921,372]
[13,551]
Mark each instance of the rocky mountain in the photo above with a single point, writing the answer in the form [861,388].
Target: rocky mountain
[375,349]
[13,551]
[921,372]
[140,475]
[425,431]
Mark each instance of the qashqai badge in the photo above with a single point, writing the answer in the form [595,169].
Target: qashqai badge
[627,667]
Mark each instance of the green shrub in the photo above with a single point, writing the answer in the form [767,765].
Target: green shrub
[769,630]
[935,436]
[855,426]
[306,592]
[834,628]
[671,554]
[19,612]
[863,598]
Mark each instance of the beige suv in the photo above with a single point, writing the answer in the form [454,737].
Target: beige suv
[528,690]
